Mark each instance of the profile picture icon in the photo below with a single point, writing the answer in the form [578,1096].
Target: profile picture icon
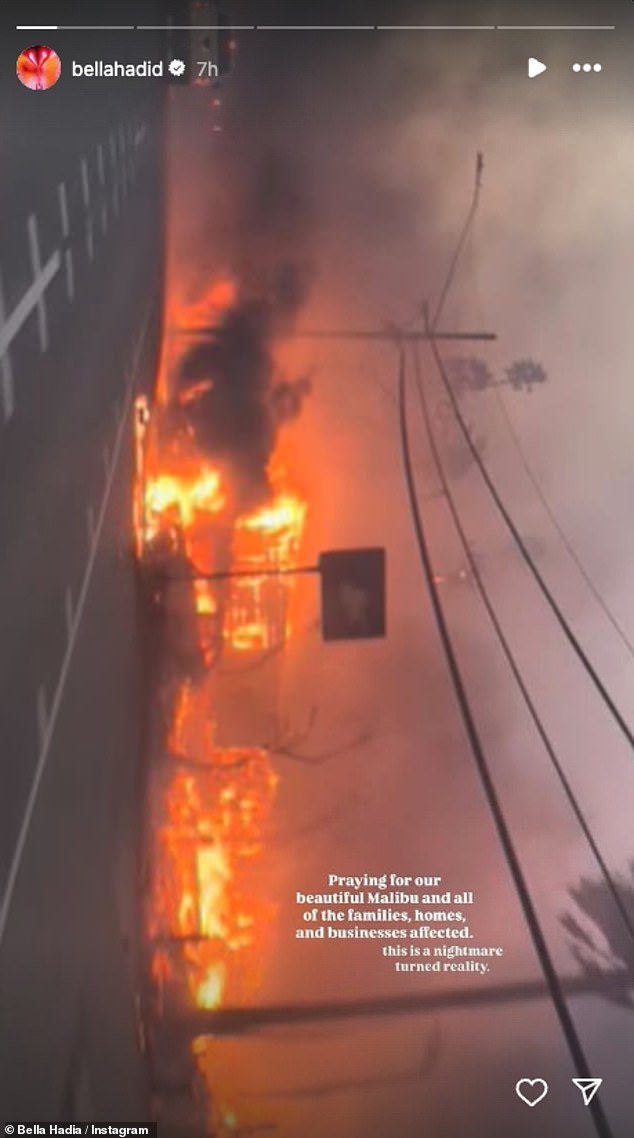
[38,67]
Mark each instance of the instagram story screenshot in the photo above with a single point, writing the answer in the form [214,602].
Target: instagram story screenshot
[317,568]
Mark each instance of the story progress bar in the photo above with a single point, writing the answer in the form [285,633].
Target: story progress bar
[319,27]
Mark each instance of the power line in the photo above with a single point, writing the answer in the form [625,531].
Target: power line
[239,1021]
[504,644]
[559,616]
[565,540]
[541,948]
[546,593]
[453,264]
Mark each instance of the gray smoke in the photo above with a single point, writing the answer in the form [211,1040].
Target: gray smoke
[229,390]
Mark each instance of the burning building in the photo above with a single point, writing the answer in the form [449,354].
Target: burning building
[218,528]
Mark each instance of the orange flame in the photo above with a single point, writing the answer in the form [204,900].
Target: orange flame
[183,498]
[212,803]
[219,297]
[212,816]
[183,317]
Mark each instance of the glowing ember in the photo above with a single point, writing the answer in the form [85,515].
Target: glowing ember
[206,604]
[209,993]
[219,297]
[205,915]
[213,873]
[183,497]
[285,515]
[191,394]
[211,830]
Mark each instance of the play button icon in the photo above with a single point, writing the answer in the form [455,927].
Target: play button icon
[535,67]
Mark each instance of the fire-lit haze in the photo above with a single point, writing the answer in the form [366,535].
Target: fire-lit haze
[331,199]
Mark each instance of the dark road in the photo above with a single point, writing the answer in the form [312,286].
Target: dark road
[81,187]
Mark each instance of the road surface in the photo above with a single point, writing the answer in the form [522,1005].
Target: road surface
[81,271]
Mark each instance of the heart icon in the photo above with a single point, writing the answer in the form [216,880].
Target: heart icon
[531,1091]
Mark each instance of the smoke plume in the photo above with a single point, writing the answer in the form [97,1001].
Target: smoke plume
[228,391]
[236,417]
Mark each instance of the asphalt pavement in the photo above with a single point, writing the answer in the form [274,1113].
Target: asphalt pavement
[81,273]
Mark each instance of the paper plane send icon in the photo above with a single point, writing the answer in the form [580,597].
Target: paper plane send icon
[588,1088]
[535,67]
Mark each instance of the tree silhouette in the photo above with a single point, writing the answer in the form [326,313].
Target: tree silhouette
[525,374]
[603,945]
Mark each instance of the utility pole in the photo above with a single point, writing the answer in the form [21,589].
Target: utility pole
[390,335]
[239,1021]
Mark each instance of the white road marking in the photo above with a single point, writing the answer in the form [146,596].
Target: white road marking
[6,371]
[102,183]
[36,266]
[63,209]
[85,189]
[122,156]
[70,275]
[31,299]
[68,609]
[100,166]
[131,154]
[34,296]
[72,640]
[115,176]
[68,255]
[41,715]
[85,186]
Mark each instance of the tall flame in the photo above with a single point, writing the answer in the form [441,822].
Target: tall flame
[212,802]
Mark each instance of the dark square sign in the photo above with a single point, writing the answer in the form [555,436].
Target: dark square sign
[352,594]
